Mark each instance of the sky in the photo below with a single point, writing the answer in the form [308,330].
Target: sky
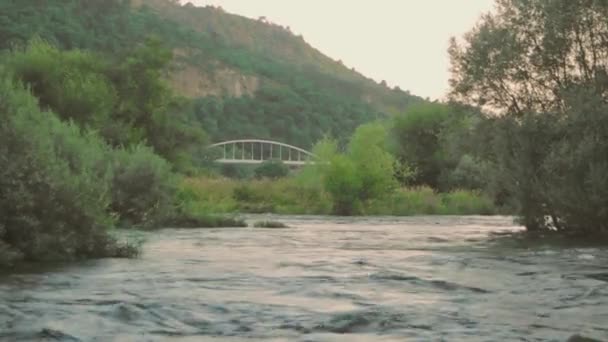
[403,42]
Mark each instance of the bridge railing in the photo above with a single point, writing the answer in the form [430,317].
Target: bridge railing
[256,151]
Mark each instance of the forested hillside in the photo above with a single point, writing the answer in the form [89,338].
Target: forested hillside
[245,78]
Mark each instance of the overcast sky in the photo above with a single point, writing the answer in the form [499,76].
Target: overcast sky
[401,41]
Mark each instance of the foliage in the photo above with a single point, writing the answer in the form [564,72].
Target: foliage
[270,224]
[54,184]
[426,201]
[555,168]
[543,64]
[374,165]
[469,173]
[282,196]
[524,57]
[292,196]
[272,169]
[300,94]
[127,103]
[416,135]
[342,182]
[198,220]
[143,187]
[366,171]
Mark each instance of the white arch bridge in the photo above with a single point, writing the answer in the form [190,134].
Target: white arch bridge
[256,151]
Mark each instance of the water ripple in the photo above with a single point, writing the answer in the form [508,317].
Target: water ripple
[327,279]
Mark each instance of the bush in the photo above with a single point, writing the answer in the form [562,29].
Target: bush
[271,169]
[143,188]
[469,173]
[426,201]
[555,167]
[466,202]
[366,172]
[54,184]
[270,224]
[416,138]
[205,221]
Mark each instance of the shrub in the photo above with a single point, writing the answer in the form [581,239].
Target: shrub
[271,169]
[466,202]
[416,135]
[426,201]
[342,183]
[54,184]
[192,220]
[144,188]
[468,174]
[270,224]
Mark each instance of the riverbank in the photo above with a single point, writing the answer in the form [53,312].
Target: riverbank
[292,196]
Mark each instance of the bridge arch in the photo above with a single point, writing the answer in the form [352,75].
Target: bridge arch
[256,151]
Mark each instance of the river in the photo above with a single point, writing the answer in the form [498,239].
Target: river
[322,279]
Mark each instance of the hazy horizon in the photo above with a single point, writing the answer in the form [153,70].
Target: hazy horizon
[403,43]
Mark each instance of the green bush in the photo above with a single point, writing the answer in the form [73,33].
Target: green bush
[54,184]
[417,142]
[144,188]
[272,169]
[466,202]
[366,172]
[469,173]
[555,167]
[191,220]
[342,182]
[270,224]
[426,201]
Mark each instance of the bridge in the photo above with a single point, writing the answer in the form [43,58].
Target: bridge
[256,151]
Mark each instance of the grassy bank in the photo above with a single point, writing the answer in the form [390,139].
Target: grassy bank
[290,196]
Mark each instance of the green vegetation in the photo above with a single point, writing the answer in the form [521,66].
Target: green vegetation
[75,161]
[296,196]
[270,224]
[101,126]
[271,169]
[295,94]
[364,179]
[543,66]
[54,184]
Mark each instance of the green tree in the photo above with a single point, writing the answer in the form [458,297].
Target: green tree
[72,83]
[344,185]
[54,184]
[364,172]
[374,165]
[544,65]
[128,103]
[524,57]
[416,135]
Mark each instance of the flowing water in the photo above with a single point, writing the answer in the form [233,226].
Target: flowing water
[323,279]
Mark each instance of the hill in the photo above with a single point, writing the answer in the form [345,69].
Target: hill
[243,77]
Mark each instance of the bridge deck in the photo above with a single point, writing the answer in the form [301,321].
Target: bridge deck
[256,151]
[257,161]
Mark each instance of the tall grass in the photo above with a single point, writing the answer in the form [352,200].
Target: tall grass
[292,196]
[283,196]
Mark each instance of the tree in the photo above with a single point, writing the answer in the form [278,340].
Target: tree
[54,184]
[364,172]
[375,166]
[416,141]
[544,65]
[527,55]
[128,103]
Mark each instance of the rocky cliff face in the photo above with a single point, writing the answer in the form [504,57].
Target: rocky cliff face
[194,82]
[201,72]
